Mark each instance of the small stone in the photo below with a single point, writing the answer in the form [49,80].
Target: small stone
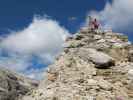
[55,98]
[118,45]
[105,85]
[101,97]
[97,37]
[101,41]
[78,37]
[130,74]
[91,82]
[52,76]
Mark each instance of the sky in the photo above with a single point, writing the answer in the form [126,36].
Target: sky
[32,32]
[17,14]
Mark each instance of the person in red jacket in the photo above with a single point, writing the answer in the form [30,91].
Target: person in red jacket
[95,24]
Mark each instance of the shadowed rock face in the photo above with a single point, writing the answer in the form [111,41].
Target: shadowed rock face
[93,66]
[13,85]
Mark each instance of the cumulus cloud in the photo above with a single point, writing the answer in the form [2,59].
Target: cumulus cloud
[117,15]
[43,38]
[42,35]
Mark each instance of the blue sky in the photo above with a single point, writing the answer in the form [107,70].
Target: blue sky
[17,14]
[32,32]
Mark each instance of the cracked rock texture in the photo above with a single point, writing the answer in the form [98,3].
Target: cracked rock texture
[94,65]
[13,86]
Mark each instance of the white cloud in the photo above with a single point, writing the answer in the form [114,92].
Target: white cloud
[43,37]
[14,63]
[118,15]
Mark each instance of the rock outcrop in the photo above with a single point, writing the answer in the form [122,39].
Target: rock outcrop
[13,86]
[94,65]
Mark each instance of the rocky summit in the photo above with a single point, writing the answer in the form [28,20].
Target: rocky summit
[94,65]
[14,86]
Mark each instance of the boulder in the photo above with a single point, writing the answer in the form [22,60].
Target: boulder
[100,59]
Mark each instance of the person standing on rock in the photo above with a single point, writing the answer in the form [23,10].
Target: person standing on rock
[93,23]
[96,24]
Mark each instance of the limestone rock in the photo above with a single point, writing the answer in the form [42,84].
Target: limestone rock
[94,65]
[52,76]
[100,59]
[103,84]
[13,85]
[97,37]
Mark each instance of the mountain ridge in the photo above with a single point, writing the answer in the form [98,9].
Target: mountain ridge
[95,65]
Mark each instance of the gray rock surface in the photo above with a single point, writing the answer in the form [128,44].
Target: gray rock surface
[100,59]
[94,65]
[12,85]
